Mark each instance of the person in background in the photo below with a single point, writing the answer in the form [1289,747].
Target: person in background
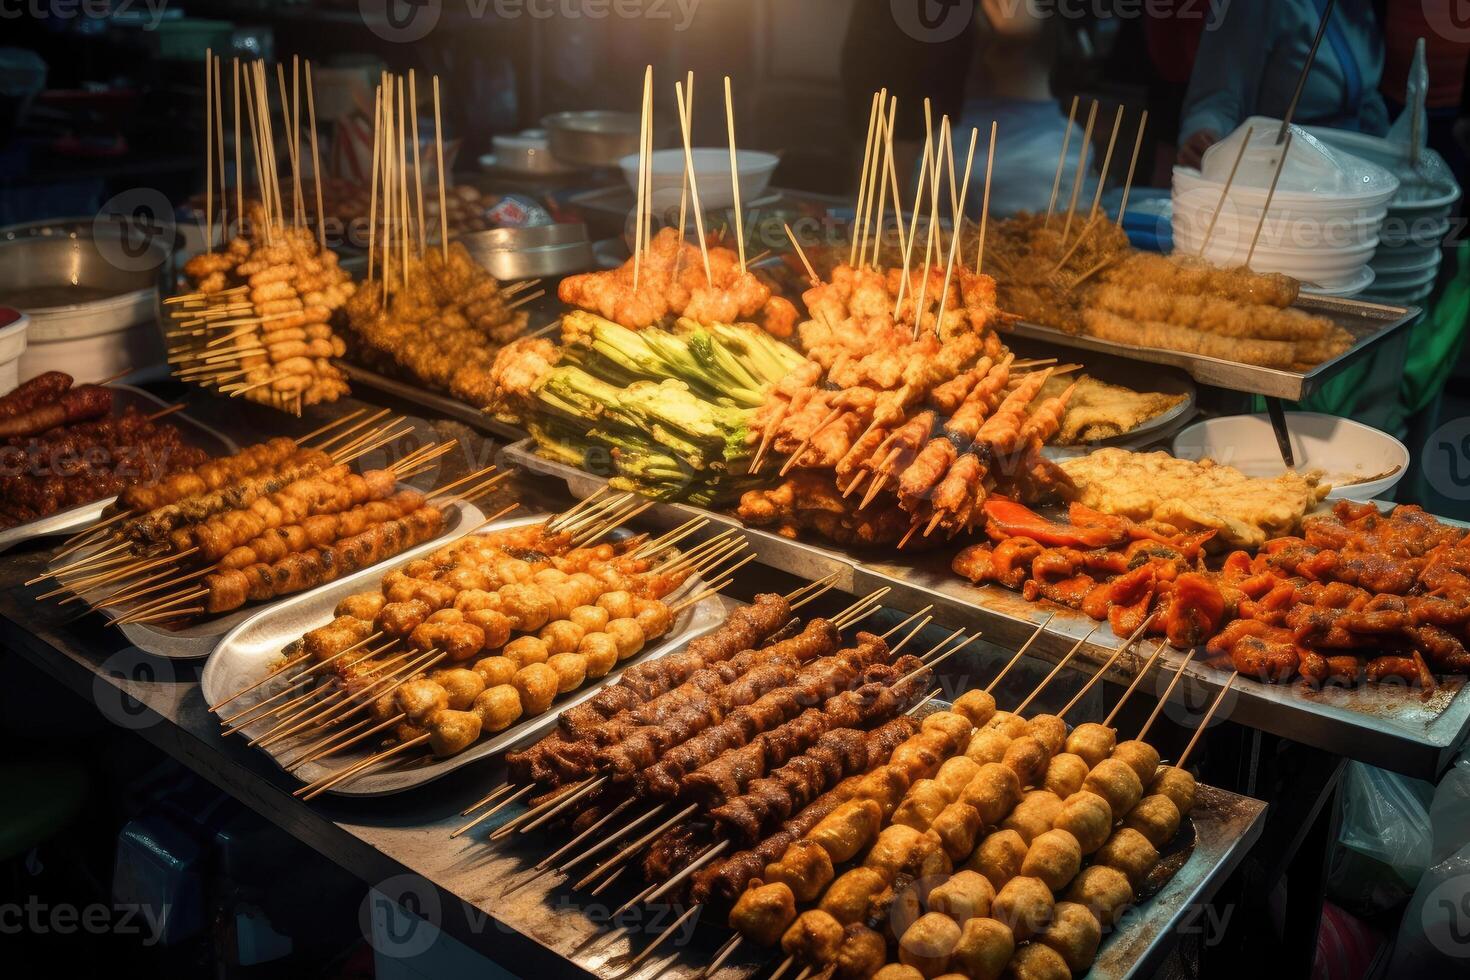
[1249,61]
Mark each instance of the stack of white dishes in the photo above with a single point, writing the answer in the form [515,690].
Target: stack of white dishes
[1410,246]
[1325,216]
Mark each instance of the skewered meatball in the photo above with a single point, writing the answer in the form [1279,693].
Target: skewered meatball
[1092,741]
[451,732]
[964,896]
[1104,890]
[956,826]
[984,949]
[496,670]
[1141,757]
[853,896]
[1065,774]
[993,791]
[928,944]
[419,698]
[526,650]
[474,600]
[1050,730]
[977,705]
[1034,815]
[999,857]
[601,652]
[1088,818]
[815,937]
[805,868]
[449,617]
[619,604]
[762,913]
[1115,782]
[1028,757]
[923,802]
[847,829]
[561,636]
[653,617]
[499,707]
[987,745]
[529,607]
[628,636]
[536,685]
[1074,933]
[364,605]
[1038,962]
[956,726]
[1025,905]
[493,623]
[862,954]
[460,684]
[398,619]
[955,774]
[571,671]
[1054,857]
[592,619]
[1009,723]
[1155,817]
[892,849]
[1129,852]
[898,971]
[1177,784]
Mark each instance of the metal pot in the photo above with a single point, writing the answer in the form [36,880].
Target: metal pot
[597,137]
[537,252]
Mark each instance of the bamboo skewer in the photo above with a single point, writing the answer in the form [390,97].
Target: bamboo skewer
[852,257]
[644,121]
[685,121]
[439,150]
[316,164]
[1107,162]
[1056,183]
[209,152]
[985,201]
[1081,169]
[1132,164]
[735,174]
[954,242]
[1270,194]
[1225,191]
[418,173]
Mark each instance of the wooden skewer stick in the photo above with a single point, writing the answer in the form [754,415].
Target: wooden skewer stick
[931,239]
[373,193]
[893,183]
[1056,183]
[418,172]
[908,250]
[801,449]
[954,242]
[1107,162]
[1137,679]
[617,861]
[439,150]
[1081,169]
[311,791]
[1225,191]
[209,151]
[684,183]
[735,174]
[239,167]
[1209,715]
[316,163]
[644,121]
[1016,658]
[1102,671]
[1301,80]
[1132,165]
[1270,194]
[878,186]
[852,256]
[1164,698]
[686,111]
[985,201]
[806,262]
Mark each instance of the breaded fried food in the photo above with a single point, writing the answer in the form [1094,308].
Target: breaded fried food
[1098,410]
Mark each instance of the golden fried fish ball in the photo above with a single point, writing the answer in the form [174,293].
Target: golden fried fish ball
[1092,741]
[1155,817]
[1115,782]
[1009,723]
[1088,818]
[1027,757]
[921,804]
[526,650]
[619,604]
[499,707]
[955,774]
[421,697]
[1050,730]
[898,971]
[956,726]
[999,857]
[762,913]
[851,898]
[536,684]
[1178,785]
[1038,962]
[814,936]
[891,851]
[1129,852]
[984,949]
[571,671]
[496,670]
[363,605]
[806,867]
[451,732]
[977,705]
[956,825]
[592,619]
[1025,905]
[560,636]
[447,617]
[987,745]
[1074,933]
[601,652]
[1054,857]
[964,896]
[460,684]
[1065,774]
[627,634]
[1141,757]
[1035,814]
[928,943]
[993,792]
[1104,890]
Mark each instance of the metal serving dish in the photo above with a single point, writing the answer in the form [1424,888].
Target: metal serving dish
[196,640]
[245,655]
[211,440]
[1367,322]
[598,137]
[1380,724]
[536,252]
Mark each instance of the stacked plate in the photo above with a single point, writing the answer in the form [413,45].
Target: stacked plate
[1325,217]
[1410,246]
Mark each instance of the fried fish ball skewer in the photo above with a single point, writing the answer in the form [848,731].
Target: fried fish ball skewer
[320,530]
[209,476]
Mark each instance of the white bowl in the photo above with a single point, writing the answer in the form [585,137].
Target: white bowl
[711,173]
[13,328]
[1400,261]
[1188,180]
[1352,285]
[1345,451]
[1411,197]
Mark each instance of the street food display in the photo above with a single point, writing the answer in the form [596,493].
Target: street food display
[1098,410]
[62,445]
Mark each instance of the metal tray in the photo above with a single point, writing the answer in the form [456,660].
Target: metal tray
[245,655]
[432,401]
[1381,724]
[1367,322]
[74,519]
[197,640]
[1122,372]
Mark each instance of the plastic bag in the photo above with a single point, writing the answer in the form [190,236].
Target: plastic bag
[1384,845]
[1434,934]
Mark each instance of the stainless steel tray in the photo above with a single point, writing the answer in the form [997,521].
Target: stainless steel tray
[1367,322]
[432,401]
[74,519]
[195,641]
[245,656]
[1381,724]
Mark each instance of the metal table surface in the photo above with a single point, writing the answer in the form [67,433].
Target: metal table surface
[401,845]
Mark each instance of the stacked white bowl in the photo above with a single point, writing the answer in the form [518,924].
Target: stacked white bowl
[1409,249]
[1325,216]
